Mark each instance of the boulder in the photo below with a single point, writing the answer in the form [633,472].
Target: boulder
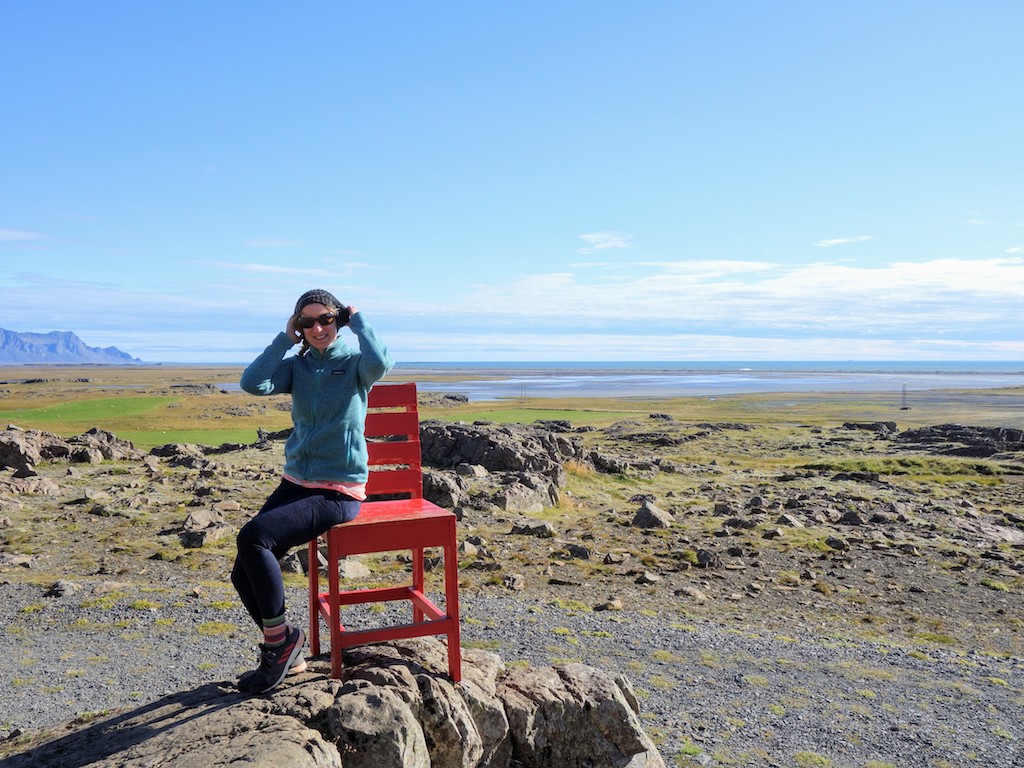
[573,716]
[540,528]
[521,498]
[443,488]
[376,728]
[651,516]
[22,449]
[106,444]
[202,527]
[612,465]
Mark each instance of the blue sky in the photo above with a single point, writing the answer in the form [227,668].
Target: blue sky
[519,181]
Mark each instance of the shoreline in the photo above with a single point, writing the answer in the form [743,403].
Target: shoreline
[500,383]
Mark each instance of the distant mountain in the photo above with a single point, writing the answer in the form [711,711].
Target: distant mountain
[56,347]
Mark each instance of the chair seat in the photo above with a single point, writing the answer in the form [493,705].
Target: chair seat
[384,526]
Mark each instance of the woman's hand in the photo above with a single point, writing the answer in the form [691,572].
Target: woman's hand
[293,331]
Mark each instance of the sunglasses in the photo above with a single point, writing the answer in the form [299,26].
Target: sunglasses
[308,322]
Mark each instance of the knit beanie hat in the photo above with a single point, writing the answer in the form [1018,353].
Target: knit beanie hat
[318,296]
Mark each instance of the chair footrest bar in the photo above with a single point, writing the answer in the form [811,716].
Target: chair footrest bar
[376,595]
[418,599]
[357,637]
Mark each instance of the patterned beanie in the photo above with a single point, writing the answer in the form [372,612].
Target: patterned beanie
[318,296]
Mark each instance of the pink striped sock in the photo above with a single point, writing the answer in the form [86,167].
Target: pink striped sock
[274,631]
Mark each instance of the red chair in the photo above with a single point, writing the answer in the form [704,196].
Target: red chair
[409,523]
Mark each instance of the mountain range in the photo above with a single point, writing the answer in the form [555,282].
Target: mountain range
[56,347]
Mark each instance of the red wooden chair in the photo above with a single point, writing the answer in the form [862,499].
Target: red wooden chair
[409,523]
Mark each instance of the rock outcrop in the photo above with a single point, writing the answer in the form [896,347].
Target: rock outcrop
[392,710]
[514,467]
[23,449]
[967,441]
[499,448]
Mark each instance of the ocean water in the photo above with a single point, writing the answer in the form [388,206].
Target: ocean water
[496,381]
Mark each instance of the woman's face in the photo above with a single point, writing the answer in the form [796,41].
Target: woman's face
[319,336]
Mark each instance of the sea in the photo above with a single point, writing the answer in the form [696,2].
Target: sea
[517,380]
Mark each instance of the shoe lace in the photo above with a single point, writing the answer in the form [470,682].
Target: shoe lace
[267,657]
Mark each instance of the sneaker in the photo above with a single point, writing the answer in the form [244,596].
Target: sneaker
[274,663]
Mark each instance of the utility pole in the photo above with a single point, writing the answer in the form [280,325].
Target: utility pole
[904,407]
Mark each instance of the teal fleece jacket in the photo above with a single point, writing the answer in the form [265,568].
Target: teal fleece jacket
[328,392]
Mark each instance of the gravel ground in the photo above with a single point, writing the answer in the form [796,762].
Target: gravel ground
[711,694]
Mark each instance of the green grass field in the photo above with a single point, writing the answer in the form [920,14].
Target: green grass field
[144,439]
[90,411]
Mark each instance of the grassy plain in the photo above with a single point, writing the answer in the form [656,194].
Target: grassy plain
[155,405]
[931,585]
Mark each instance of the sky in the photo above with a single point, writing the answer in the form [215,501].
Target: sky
[529,181]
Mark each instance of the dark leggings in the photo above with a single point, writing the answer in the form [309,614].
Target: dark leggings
[290,517]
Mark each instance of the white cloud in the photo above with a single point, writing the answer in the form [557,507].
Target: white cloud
[414,346]
[601,241]
[843,241]
[944,298]
[18,235]
[1016,249]
[704,309]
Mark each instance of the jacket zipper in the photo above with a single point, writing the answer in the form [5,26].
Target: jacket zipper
[314,406]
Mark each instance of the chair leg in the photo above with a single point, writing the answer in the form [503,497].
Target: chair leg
[418,582]
[335,604]
[314,598]
[451,598]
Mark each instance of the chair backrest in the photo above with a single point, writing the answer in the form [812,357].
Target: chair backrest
[393,440]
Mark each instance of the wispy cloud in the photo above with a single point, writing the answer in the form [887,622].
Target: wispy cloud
[270,242]
[602,241]
[843,241]
[18,235]
[275,269]
[1016,249]
[690,266]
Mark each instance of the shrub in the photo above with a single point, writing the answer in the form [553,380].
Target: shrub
[998,586]
[213,628]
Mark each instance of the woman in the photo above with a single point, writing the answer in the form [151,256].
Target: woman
[325,468]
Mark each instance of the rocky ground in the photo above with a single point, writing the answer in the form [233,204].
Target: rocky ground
[845,595]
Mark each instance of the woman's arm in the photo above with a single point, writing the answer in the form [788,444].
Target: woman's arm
[374,358]
[270,373]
